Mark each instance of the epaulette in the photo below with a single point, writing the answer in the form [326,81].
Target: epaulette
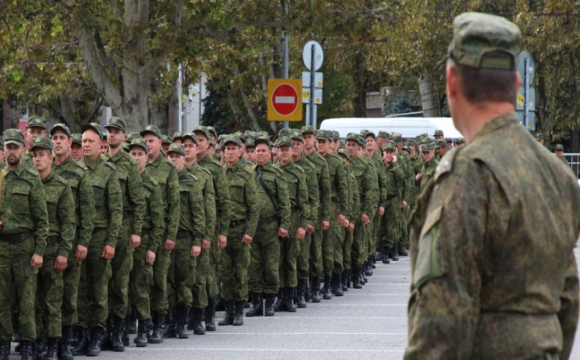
[206,170]
[165,161]
[299,167]
[132,160]
[249,169]
[82,166]
[60,180]
[105,157]
[153,181]
[446,164]
[31,171]
[194,177]
[111,165]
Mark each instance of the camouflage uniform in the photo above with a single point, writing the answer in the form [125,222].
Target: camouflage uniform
[395,179]
[380,170]
[428,169]
[406,195]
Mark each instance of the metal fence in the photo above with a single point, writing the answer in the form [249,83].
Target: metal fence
[574,161]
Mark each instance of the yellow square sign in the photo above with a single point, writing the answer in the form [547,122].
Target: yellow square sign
[284,100]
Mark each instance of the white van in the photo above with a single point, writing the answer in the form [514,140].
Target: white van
[408,127]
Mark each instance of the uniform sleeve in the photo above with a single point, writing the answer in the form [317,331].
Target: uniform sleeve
[66,216]
[355,199]
[87,210]
[382,184]
[156,213]
[313,195]
[39,215]
[197,207]
[409,188]
[303,200]
[223,202]
[341,188]
[253,206]
[137,199]
[370,191]
[210,210]
[173,205]
[568,314]
[283,201]
[115,205]
[325,196]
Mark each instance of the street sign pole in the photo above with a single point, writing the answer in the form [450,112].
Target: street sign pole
[526,90]
[312,119]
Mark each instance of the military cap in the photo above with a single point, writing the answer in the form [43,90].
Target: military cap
[335,135]
[176,148]
[384,135]
[93,126]
[221,144]
[131,136]
[262,133]
[250,134]
[539,135]
[396,137]
[13,136]
[308,129]
[438,133]
[202,130]
[62,127]
[104,136]
[117,122]
[411,142]
[41,142]
[559,147]
[36,121]
[390,146]
[250,142]
[426,140]
[240,136]
[166,139]
[211,130]
[125,146]
[221,137]
[448,140]
[427,147]
[139,142]
[284,132]
[356,137]
[477,34]
[323,134]
[190,135]
[296,135]
[440,144]
[344,153]
[177,135]
[151,129]
[261,139]
[365,133]
[77,138]
[232,138]
[275,144]
[285,141]
[460,141]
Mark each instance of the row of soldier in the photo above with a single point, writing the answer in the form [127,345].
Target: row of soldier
[156,229]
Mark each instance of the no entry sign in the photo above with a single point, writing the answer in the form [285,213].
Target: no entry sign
[284,100]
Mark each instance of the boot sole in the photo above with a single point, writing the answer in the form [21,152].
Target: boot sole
[155,341]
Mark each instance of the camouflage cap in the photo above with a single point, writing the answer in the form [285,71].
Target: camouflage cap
[308,129]
[202,130]
[384,135]
[284,132]
[405,148]
[177,135]
[365,133]
[250,134]
[477,34]
[221,137]
[211,130]
[151,129]
[426,140]
[323,135]
[176,148]
[440,144]
[166,139]
[13,136]
[559,147]
[117,122]
[396,137]
[250,142]
[275,144]
[438,133]
[285,141]
[240,136]
[125,146]
[36,121]
[261,139]
[94,127]
[139,142]
[335,135]
[232,138]
[1,142]
[427,147]
[62,127]
[77,138]
[411,142]
[41,142]
[355,137]
[344,153]
[131,136]
[262,133]
[459,141]
[390,146]
[448,140]
[296,135]
[190,135]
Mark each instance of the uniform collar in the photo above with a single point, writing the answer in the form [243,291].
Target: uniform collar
[509,118]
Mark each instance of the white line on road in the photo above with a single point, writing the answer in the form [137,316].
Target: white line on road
[361,305]
[266,350]
[328,317]
[310,333]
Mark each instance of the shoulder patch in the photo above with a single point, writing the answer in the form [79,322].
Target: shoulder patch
[165,161]
[446,164]
[206,170]
[299,168]
[194,177]
[111,165]
[82,166]
[152,180]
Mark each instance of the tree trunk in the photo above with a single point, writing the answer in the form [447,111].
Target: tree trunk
[360,101]
[428,100]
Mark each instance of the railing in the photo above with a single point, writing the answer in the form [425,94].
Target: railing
[574,161]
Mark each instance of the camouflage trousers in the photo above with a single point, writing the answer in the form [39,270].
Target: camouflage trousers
[376,234]
[234,262]
[141,279]
[49,294]
[403,224]
[289,251]
[181,274]
[93,308]
[213,279]
[390,225]
[158,295]
[316,267]
[199,289]
[303,264]
[70,278]
[360,238]
[17,274]
[339,240]
[265,259]
[347,251]
[329,240]
[121,266]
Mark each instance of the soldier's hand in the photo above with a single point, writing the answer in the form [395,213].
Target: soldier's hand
[381,211]
[222,242]
[205,245]
[404,204]
[351,227]
[108,252]
[300,234]
[325,225]
[365,219]
[310,229]
[169,245]
[418,177]
[395,158]
[282,232]
[1,224]
[195,251]
[341,219]
[247,239]
[135,241]
[60,264]
[36,261]
[81,253]
[346,223]
[150,257]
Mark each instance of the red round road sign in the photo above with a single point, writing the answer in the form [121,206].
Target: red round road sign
[284,99]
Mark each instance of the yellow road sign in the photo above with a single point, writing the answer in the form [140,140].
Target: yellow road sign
[521,99]
[284,100]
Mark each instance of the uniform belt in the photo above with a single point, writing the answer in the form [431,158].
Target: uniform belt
[235,223]
[184,233]
[17,238]
[52,240]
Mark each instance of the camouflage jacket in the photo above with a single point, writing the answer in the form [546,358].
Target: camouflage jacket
[192,209]
[164,172]
[243,196]
[313,191]
[367,185]
[324,190]
[395,181]
[274,180]
[486,283]
[338,182]
[154,217]
[427,171]
[209,200]
[297,191]
[61,213]
[379,167]
[222,193]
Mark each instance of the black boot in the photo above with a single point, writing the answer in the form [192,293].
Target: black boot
[107,342]
[344,280]
[363,279]
[302,291]
[395,252]
[64,350]
[327,289]
[4,350]
[229,316]
[51,349]
[197,326]
[38,349]
[117,341]
[316,296]
[369,270]
[269,306]
[142,337]
[373,262]
[220,304]
[82,343]
[379,256]
[356,279]
[158,323]
[210,315]
[289,302]
[385,258]
[280,304]
[402,250]
[169,331]
[238,313]
[336,279]
[182,311]
[97,335]
[257,305]
[26,350]
[131,325]
[306,290]
[125,334]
